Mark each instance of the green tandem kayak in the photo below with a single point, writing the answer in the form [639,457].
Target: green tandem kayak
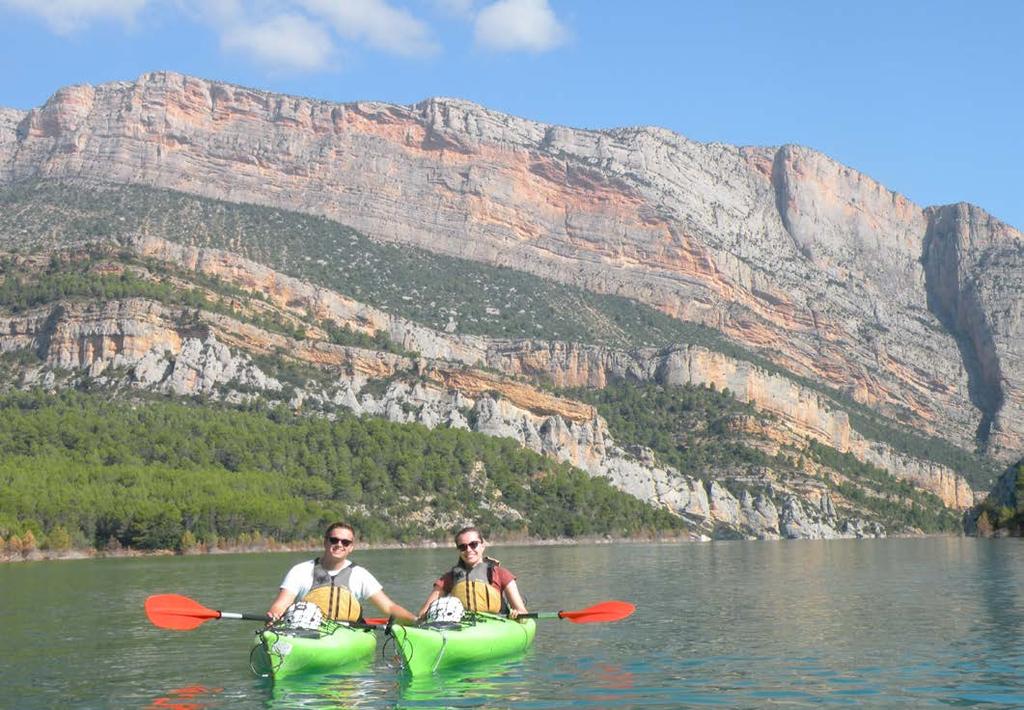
[478,637]
[283,652]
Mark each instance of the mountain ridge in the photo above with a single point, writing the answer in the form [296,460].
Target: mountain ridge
[807,413]
[10,116]
[787,252]
[809,265]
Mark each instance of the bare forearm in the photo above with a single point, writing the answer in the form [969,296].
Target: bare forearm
[403,615]
[383,602]
[514,598]
[283,600]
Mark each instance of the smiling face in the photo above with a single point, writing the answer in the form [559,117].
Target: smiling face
[338,542]
[471,547]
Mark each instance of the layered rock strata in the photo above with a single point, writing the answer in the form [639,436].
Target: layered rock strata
[138,343]
[806,413]
[808,262]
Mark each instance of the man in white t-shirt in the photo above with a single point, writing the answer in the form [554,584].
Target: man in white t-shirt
[332,581]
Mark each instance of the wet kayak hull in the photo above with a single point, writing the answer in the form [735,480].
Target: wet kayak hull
[484,637]
[281,653]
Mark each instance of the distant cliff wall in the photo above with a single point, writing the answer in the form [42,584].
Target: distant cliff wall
[807,262]
[805,413]
[137,343]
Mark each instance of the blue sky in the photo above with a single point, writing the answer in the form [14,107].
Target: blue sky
[924,96]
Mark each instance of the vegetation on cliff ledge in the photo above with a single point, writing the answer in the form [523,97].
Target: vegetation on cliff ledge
[709,434]
[438,291]
[434,290]
[1002,512]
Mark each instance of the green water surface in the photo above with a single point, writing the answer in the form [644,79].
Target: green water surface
[881,623]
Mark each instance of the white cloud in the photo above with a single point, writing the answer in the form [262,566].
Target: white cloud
[459,8]
[285,42]
[286,34]
[377,23]
[519,25]
[68,16]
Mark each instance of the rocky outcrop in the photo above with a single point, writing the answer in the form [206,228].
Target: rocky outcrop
[951,488]
[973,265]
[137,343]
[708,505]
[806,413]
[135,335]
[813,265]
[795,523]
[9,120]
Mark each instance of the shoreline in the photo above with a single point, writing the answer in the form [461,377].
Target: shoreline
[262,548]
[92,554]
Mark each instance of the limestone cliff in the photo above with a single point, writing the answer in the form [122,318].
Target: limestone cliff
[814,265]
[806,413]
[973,265]
[140,344]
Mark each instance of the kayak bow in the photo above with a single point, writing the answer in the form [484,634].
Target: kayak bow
[478,637]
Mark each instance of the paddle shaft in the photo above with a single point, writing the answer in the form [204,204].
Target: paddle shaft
[243,616]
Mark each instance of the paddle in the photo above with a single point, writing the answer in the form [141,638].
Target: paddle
[599,613]
[173,611]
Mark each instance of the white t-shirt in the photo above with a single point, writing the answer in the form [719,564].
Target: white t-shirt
[300,580]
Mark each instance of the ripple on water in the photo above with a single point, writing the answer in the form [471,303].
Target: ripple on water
[872,624]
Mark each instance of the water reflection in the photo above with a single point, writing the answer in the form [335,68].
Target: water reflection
[498,684]
[609,683]
[988,662]
[192,697]
[891,623]
[327,691]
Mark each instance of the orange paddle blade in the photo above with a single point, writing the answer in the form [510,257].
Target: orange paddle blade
[605,611]
[173,611]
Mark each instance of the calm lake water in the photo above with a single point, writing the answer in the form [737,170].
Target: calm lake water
[735,624]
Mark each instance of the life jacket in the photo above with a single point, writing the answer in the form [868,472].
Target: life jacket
[332,593]
[476,589]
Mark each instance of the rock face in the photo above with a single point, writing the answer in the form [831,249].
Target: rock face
[804,412]
[137,343]
[913,312]
[974,266]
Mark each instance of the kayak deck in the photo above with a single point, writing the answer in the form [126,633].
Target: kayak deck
[282,652]
[478,637]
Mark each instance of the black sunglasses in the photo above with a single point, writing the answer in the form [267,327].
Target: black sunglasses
[471,545]
[339,541]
